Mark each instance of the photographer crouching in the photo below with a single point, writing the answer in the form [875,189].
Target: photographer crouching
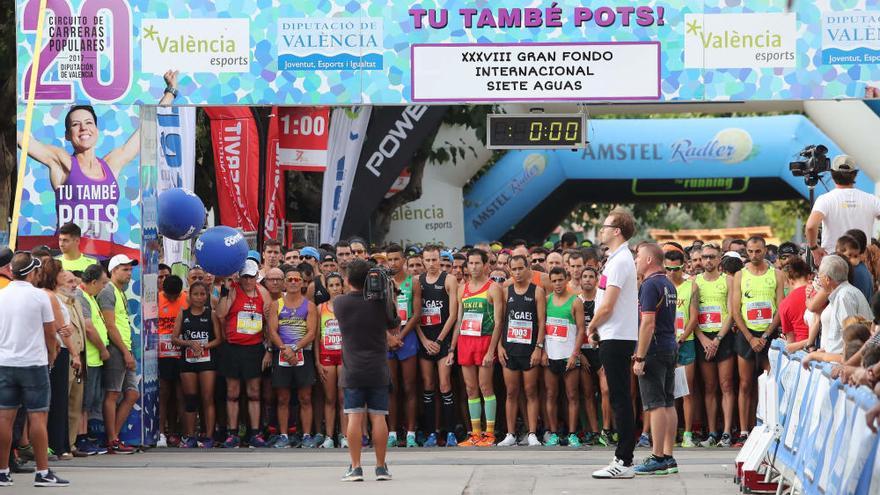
[365,314]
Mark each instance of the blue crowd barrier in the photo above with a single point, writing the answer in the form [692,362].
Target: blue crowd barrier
[822,445]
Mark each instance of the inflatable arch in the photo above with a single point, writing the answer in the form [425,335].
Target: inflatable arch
[528,192]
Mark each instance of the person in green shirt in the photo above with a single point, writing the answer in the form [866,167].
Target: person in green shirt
[71,258]
[119,371]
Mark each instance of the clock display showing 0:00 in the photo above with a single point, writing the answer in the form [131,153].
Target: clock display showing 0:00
[534,131]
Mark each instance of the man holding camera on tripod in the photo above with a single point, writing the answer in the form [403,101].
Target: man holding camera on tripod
[840,209]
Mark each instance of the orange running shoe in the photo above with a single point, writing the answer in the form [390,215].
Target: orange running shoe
[488,440]
[470,441]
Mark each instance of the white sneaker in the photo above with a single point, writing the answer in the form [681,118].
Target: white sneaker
[163,442]
[343,442]
[509,441]
[546,436]
[615,470]
[328,443]
[533,440]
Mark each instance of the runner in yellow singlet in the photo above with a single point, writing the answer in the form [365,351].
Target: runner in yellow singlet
[755,298]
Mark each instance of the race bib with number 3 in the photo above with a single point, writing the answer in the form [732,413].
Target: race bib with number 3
[759,313]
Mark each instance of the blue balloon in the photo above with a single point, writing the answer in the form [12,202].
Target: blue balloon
[181,214]
[221,250]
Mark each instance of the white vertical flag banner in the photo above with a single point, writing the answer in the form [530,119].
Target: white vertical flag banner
[348,127]
[176,128]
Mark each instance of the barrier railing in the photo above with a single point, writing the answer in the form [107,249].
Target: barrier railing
[812,436]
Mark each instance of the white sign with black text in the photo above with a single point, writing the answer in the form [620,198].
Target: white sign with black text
[536,71]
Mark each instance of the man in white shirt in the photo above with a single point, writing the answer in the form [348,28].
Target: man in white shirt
[27,348]
[616,324]
[840,209]
[844,300]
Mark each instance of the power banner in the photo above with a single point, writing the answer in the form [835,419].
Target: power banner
[393,136]
[237,165]
[342,53]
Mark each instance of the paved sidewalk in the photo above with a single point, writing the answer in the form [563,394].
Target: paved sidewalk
[416,472]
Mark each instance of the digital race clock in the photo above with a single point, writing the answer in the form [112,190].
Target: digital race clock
[540,131]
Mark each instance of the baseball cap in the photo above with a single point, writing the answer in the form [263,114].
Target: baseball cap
[446,255]
[496,246]
[254,255]
[328,257]
[789,248]
[120,259]
[5,256]
[732,254]
[412,251]
[250,269]
[310,251]
[843,163]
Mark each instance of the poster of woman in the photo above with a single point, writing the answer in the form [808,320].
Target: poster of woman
[87,187]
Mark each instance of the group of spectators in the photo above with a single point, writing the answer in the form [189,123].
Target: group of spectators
[582,342]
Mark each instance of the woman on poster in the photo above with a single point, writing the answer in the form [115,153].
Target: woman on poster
[86,188]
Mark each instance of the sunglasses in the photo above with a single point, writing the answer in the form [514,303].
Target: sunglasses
[306,258]
[672,268]
[498,279]
[538,260]
[709,256]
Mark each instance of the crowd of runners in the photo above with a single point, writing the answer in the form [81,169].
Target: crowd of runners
[499,344]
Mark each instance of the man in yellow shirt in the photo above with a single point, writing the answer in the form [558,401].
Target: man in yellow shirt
[68,241]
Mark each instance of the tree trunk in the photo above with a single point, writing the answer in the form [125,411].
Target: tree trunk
[7,151]
[733,215]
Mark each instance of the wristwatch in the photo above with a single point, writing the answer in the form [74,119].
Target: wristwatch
[539,345]
[637,359]
[172,91]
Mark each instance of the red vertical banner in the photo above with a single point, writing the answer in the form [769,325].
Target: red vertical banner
[237,165]
[275,210]
[303,133]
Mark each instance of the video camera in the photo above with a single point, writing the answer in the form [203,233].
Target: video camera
[380,287]
[815,163]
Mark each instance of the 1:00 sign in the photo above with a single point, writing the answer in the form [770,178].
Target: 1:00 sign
[80,40]
[536,131]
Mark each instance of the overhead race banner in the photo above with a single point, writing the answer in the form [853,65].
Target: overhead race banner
[236,165]
[302,137]
[393,136]
[349,53]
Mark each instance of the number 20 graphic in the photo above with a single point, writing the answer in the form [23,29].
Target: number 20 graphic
[120,35]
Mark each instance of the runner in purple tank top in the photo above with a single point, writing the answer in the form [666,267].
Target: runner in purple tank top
[86,191]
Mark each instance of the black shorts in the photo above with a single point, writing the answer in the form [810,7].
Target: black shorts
[725,349]
[519,363]
[444,351]
[169,369]
[592,355]
[187,367]
[657,385]
[557,366]
[745,351]
[241,362]
[294,377]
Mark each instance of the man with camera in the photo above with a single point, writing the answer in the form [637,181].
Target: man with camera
[365,322]
[840,209]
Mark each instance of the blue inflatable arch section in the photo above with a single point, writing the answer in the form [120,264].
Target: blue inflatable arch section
[527,193]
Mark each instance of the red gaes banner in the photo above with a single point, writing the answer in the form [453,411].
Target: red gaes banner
[237,165]
[303,133]
[275,211]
